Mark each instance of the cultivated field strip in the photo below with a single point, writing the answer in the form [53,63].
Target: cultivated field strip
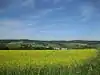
[45,62]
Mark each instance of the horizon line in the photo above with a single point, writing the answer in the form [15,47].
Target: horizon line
[50,40]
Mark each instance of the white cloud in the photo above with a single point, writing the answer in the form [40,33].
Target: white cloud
[69,0]
[17,24]
[29,3]
[48,11]
[46,0]
[30,24]
[11,23]
[56,1]
[44,12]
[87,12]
[1,11]
[35,16]
[15,29]
[15,34]
[40,14]
[60,8]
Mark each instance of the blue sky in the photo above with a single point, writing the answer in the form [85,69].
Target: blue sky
[50,19]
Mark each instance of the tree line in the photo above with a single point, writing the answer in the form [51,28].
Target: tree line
[47,45]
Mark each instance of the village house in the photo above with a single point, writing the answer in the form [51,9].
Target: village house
[64,48]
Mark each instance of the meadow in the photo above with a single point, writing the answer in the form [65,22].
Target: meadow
[49,62]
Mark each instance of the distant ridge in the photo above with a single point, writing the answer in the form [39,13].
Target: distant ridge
[49,40]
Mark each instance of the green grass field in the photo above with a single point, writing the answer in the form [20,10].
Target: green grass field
[46,62]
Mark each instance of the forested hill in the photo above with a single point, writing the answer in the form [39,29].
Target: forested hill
[39,44]
[53,42]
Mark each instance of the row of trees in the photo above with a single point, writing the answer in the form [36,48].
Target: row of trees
[45,46]
[18,46]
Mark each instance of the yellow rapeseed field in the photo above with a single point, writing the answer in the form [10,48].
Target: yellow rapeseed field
[48,62]
[43,57]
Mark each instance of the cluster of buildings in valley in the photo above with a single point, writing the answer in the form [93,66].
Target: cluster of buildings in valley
[60,48]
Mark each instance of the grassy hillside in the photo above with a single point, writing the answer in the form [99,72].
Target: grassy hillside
[45,62]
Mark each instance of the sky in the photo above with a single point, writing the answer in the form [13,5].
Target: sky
[50,19]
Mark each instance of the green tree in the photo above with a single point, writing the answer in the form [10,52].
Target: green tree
[3,47]
[14,46]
